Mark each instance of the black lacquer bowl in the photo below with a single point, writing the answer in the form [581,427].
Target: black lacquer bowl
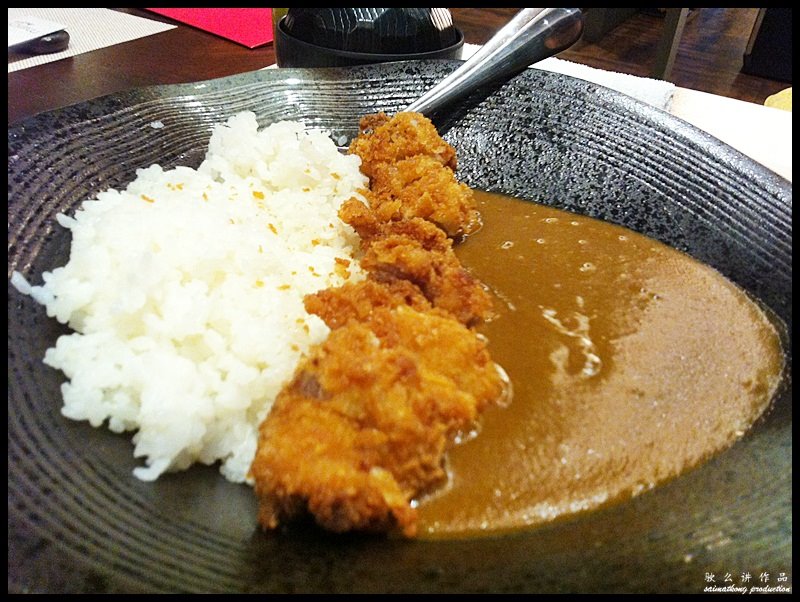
[341,37]
[80,522]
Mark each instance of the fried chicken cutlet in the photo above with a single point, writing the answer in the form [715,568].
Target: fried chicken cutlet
[417,251]
[363,427]
[411,171]
[385,140]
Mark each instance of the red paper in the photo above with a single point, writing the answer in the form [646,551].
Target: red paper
[250,27]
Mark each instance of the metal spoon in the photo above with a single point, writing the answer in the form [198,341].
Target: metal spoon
[532,35]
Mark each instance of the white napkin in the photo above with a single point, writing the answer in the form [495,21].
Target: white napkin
[88,29]
[652,91]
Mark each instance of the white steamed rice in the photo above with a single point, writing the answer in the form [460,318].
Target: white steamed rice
[185,291]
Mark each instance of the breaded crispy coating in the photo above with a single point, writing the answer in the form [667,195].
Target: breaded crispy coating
[363,220]
[363,427]
[387,140]
[422,187]
[357,301]
[417,251]
[411,170]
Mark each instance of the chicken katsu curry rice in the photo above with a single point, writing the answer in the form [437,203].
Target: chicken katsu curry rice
[369,342]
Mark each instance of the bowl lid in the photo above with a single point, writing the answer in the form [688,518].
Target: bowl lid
[373,30]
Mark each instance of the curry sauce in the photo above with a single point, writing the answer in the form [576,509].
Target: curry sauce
[630,364]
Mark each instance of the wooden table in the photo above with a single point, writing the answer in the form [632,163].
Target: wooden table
[185,54]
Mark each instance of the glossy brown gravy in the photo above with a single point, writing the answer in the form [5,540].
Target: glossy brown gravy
[630,363]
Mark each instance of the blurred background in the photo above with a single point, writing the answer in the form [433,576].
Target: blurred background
[743,53]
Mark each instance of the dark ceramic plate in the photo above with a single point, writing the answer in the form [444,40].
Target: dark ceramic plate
[78,520]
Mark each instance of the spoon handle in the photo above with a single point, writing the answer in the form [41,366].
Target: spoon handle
[532,35]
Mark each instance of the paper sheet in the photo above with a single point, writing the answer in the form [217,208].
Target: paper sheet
[29,29]
[88,28]
[250,27]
